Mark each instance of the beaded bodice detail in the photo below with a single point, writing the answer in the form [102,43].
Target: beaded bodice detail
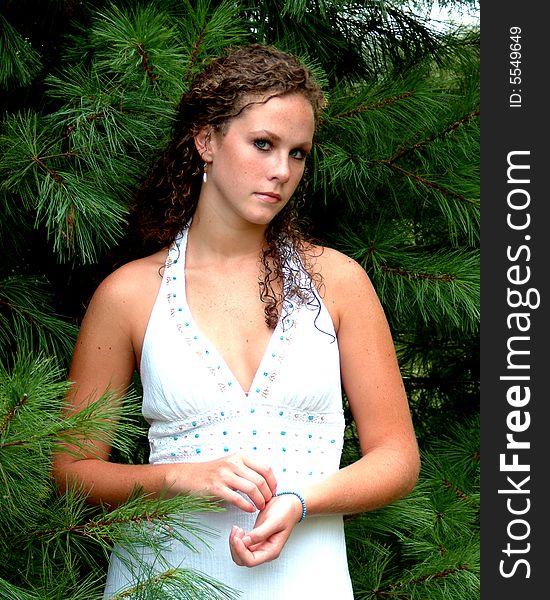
[292,415]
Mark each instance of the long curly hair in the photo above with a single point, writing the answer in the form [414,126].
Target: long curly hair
[167,199]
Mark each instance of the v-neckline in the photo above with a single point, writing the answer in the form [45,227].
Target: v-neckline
[272,356]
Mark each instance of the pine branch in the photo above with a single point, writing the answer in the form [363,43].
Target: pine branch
[375,106]
[405,141]
[66,201]
[392,590]
[27,320]
[425,182]
[20,140]
[20,63]
[11,414]
[438,288]
[186,583]
[9,591]
[31,397]
[73,531]
[405,150]
[101,113]
[138,44]
[140,521]
[207,28]
[64,531]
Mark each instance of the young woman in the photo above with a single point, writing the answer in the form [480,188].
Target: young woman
[244,334]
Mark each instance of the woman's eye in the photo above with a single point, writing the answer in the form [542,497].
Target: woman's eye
[262,144]
[298,153]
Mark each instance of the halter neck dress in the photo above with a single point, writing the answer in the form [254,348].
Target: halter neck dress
[291,418]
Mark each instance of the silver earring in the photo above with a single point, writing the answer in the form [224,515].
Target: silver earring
[204,173]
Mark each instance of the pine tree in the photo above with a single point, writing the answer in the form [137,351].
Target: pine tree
[89,92]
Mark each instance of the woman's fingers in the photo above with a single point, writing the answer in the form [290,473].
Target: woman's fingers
[252,478]
[259,482]
[257,491]
[266,473]
[268,537]
[236,545]
[250,556]
[239,480]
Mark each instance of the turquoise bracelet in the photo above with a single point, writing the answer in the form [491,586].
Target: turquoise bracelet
[304,509]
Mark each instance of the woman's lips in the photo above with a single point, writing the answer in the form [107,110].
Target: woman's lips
[269,196]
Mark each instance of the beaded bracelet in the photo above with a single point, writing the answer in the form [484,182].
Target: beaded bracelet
[304,509]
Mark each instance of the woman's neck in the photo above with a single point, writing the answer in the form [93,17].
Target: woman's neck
[214,240]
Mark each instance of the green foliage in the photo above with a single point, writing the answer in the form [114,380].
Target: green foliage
[20,61]
[90,91]
[205,29]
[61,542]
[425,545]
[27,321]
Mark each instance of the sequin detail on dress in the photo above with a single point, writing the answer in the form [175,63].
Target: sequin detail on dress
[274,354]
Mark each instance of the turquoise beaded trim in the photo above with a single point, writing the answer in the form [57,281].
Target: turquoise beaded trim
[304,509]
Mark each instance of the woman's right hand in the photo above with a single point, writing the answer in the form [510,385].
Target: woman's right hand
[226,479]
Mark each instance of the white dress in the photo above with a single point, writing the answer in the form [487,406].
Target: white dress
[291,418]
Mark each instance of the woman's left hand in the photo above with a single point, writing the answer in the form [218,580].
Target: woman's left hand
[270,533]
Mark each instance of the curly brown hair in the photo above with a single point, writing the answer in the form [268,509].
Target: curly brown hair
[167,199]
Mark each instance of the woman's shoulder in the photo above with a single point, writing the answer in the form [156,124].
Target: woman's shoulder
[122,302]
[342,282]
[336,268]
[132,281]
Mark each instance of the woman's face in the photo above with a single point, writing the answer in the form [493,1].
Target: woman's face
[256,164]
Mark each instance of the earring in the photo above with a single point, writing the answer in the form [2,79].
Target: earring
[204,173]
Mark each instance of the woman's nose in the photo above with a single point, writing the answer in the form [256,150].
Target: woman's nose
[280,168]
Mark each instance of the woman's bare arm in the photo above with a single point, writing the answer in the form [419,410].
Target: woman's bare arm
[389,466]
[105,357]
